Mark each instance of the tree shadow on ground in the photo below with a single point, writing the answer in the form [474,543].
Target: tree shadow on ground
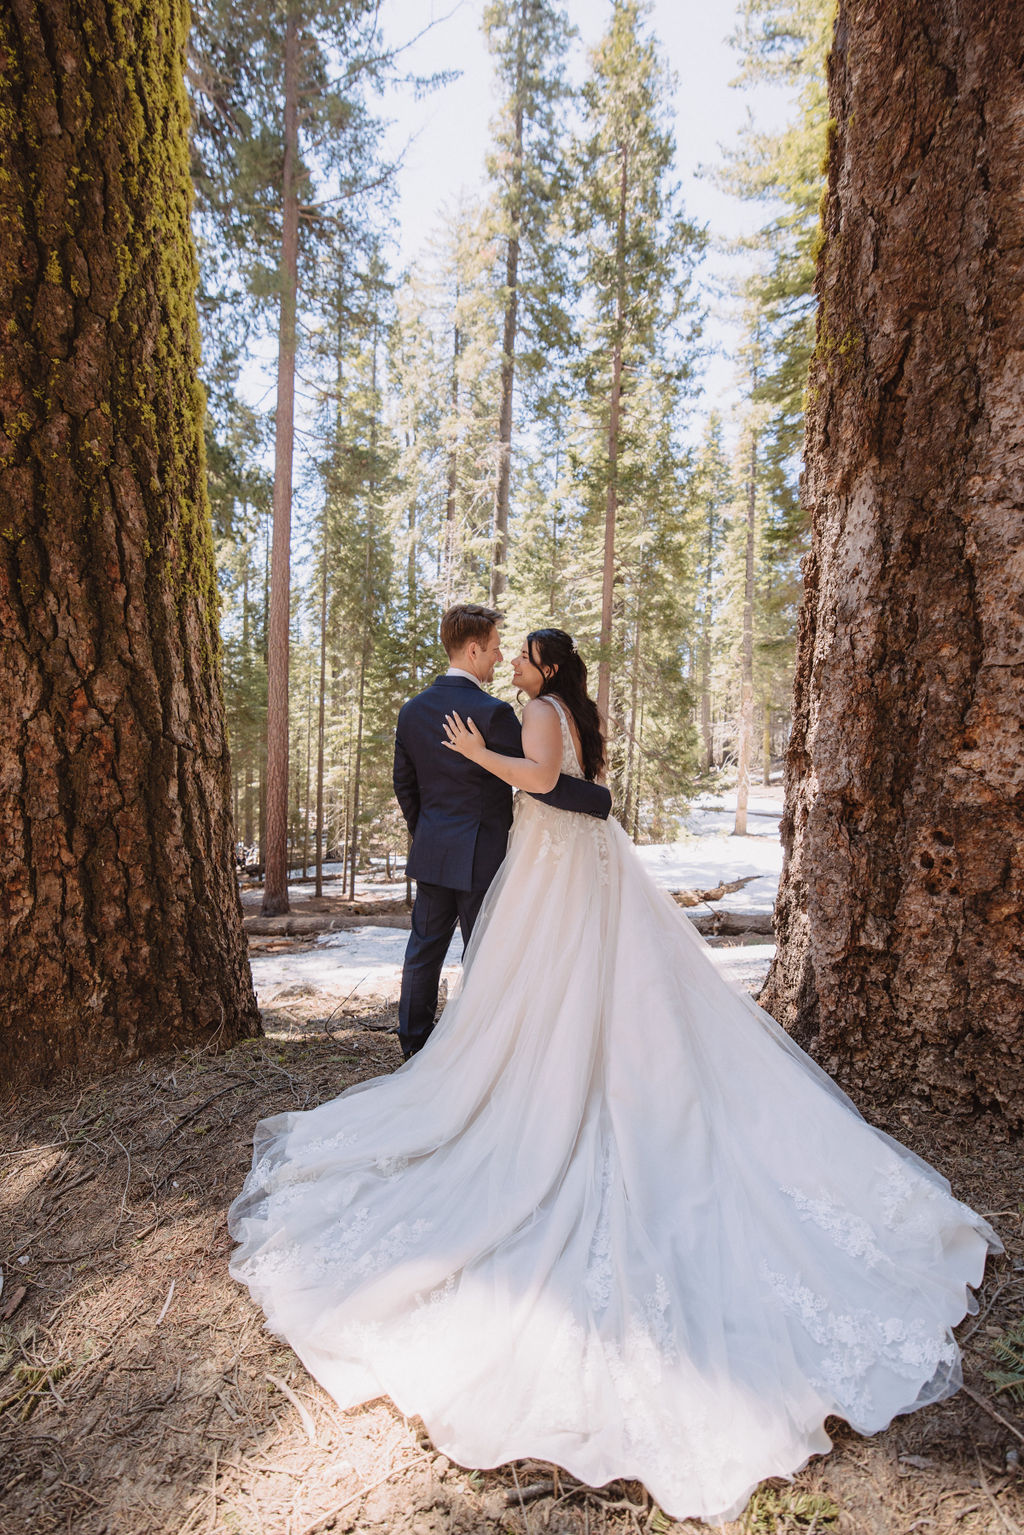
[141,1395]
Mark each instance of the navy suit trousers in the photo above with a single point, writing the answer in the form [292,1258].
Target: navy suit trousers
[435,912]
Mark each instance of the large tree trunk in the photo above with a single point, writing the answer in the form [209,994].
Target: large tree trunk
[900,911]
[121,925]
[275,878]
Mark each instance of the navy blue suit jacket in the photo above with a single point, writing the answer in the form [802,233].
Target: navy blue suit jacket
[458,813]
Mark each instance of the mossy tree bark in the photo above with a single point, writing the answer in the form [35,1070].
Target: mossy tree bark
[900,913]
[121,924]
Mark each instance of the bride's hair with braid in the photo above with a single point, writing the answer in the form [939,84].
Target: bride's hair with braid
[553,648]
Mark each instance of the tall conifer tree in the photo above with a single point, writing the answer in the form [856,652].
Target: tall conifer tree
[528,40]
[636,260]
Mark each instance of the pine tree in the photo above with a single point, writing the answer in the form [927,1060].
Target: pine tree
[296,164]
[784,42]
[638,251]
[711,492]
[528,40]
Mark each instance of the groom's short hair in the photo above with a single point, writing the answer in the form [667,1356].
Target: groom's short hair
[467,621]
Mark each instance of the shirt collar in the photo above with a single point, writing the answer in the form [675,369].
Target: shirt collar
[456,671]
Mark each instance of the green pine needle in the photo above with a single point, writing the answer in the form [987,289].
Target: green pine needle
[1008,1352]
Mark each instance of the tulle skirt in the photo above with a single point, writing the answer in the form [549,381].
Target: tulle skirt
[611,1216]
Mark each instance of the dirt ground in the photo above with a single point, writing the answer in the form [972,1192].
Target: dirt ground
[139,1394]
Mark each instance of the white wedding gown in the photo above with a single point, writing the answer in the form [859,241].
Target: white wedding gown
[611,1216]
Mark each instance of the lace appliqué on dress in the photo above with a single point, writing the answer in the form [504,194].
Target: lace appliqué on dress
[561,829]
[910,1204]
[855,1343]
[850,1233]
[597,1277]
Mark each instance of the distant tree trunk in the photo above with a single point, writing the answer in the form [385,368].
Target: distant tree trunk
[261,770]
[364,657]
[453,475]
[633,734]
[705,690]
[247,755]
[554,585]
[766,741]
[309,769]
[499,559]
[261,794]
[357,776]
[745,749]
[320,717]
[275,886]
[120,924]
[634,828]
[604,670]
[900,912]
[412,598]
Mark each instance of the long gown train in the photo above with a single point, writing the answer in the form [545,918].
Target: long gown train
[611,1216]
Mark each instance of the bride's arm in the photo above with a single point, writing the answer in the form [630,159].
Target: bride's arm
[536,770]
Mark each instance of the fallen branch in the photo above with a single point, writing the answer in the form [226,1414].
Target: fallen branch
[231,1088]
[167,1302]
[529,1494]
[1009,1524]
[300,1407]
[987,1407]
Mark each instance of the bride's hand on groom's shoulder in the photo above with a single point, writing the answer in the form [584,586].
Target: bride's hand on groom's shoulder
[463,738]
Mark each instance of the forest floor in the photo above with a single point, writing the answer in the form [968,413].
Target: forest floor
[140,1395]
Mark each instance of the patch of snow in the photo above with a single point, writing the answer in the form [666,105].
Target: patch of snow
[746,964]
[702,863]
[367,962]
[707,854]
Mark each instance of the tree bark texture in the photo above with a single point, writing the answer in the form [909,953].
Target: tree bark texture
[275,880]
[120,923]
[900,912]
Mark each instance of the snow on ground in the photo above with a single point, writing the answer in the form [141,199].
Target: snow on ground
[368,961]
[707,855]
[368,888]
[363,962]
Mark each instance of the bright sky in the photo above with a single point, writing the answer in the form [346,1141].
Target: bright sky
[446,132]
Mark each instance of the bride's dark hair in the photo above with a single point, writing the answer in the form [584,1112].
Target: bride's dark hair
[568,679]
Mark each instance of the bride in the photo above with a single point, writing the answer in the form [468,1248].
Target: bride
[611,1216]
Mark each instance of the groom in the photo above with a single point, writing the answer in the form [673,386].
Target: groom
[458,814]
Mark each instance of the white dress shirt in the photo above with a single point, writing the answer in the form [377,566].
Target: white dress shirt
[456,671]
